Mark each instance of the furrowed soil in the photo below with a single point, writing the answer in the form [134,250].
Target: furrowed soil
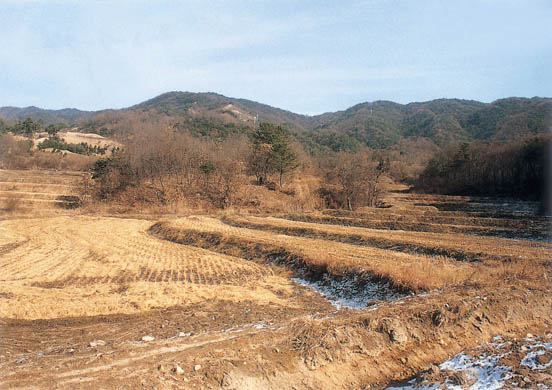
[90,300]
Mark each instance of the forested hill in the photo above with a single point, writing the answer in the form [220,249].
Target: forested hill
[179,104]
[378,124]
[444,121]
[65,115]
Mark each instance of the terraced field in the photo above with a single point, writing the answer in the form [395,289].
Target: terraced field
[231,301]
[458,246]
[37,190]
[405,271]
[532,228]
[52,265]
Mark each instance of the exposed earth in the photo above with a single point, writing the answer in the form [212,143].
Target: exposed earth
[371,299]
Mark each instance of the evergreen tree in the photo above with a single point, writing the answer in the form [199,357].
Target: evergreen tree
[28,127]
[271,152]
[4,128]
[52,130]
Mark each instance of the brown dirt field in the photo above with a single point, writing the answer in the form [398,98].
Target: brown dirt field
[440,217]
[116,267]
[80,289]
[40,177]
[343,350]
[524,231]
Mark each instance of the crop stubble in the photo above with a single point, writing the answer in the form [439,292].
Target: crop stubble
[71,266]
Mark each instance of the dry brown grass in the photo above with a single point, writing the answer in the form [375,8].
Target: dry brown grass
[405,215]
[408,224]
[48,160]
[72,137]
[76,265]
[40,192]
[12,203]
[405,271]
[297,196]
[521,273]
[482,246]
[40,177]
[73,266]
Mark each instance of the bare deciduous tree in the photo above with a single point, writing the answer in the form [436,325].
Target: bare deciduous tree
[351,180]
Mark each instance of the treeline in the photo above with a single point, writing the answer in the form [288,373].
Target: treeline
[164,161]
[28,127]
[350,181]
[58,144]
[166,166]
[515,169]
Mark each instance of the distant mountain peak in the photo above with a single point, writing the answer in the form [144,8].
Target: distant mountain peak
[378,124]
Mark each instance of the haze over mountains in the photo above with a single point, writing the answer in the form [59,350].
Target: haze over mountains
[377,124]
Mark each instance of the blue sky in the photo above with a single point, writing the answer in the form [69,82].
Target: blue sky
[304,56]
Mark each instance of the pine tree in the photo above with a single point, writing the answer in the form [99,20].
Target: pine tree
[271,152]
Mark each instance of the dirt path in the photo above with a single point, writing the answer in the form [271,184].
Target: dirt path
[107,364]
[309,351]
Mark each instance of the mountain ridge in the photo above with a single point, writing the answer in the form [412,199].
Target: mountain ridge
[377,124]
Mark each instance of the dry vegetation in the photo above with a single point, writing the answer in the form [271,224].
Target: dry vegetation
[17,153]
[403,271]
[459,246]
[36,192]
[73,137]
[70,277]
[52,266]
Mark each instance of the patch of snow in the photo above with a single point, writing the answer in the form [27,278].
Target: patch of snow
[498,342]
[488,375]
[482,365]
[349,293]
[530,360]
[243,327]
